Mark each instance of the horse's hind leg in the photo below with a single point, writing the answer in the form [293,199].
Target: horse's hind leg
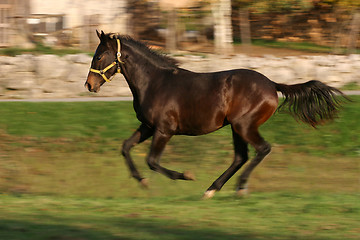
[262,148]
[140,135]
[158,144]
[240,158]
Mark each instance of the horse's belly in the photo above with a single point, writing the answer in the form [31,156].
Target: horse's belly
[199,124]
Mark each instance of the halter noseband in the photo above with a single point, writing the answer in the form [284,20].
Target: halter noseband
[116,62]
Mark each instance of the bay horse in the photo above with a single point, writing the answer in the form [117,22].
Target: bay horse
[169,100]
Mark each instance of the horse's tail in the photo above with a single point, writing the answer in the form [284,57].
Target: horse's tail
[312,102]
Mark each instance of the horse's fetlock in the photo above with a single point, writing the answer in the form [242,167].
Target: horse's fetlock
[152,166]
[124,152]
[240,161]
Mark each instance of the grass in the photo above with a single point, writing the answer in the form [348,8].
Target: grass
[114,121]
[300,46]
[263,216]
[351,86]
[62,177]
[38,49]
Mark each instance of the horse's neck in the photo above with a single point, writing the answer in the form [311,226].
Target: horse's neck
[138,76]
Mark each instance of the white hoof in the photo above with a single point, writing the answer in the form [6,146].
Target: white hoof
[209,194]
[144,183]
[189,176]
[242,192]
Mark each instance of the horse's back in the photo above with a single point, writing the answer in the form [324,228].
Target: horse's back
[242,78]
[234,85]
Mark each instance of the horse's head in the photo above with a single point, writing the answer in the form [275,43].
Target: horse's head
[105,63]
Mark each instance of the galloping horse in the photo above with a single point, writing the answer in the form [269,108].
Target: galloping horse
[169,100]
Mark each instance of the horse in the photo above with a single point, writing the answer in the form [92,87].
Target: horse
[169,100]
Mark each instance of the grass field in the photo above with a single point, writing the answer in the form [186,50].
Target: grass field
[62,177]
[305,47]
[262,216]
[300,46]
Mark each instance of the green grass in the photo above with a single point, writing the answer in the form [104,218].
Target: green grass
[262,216]
[351,86]
[300,46]
[38,49]
[62,177]
[114,121]
[89,119]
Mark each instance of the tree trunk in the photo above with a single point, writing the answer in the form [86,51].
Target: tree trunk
[354,32]
[121,20]
[221,11]
[171,30]
[245,33]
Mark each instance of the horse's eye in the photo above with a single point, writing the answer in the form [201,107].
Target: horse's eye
[99,57]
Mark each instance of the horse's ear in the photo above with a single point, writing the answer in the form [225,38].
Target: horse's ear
[101,35]
[98,34]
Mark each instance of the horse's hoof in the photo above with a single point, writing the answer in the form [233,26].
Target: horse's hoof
[144,183]
[242,192]
[208,194]
[189,176]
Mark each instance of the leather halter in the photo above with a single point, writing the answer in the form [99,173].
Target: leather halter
[116,62]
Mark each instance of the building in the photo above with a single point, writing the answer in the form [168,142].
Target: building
[61,20]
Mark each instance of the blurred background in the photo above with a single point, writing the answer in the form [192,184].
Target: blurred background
[61,172]
[289,41]
[43,43]
[333,23]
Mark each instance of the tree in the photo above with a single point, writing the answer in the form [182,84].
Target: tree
[243,6]
[354,32]
[223,38]
[172,20]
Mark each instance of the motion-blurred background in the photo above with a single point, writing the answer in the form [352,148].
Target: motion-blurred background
[61,173]
[51,42]
[332,23]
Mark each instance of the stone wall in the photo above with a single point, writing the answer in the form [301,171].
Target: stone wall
[335,70]
[50,76]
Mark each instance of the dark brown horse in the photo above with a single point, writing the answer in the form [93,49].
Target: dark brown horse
[169,100]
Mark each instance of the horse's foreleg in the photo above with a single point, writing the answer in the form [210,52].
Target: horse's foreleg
[158,144]
[140,135]
[240,158]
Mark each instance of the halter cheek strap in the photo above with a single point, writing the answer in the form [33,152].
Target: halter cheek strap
[116,62]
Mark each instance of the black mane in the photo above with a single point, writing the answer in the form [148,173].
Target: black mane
[156,58]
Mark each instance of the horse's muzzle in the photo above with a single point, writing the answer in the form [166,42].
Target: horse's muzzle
[88,86]
[91,83]
[92,89]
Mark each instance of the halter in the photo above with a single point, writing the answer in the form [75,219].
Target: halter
[116,62]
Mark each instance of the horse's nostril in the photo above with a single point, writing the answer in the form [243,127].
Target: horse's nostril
[88,86]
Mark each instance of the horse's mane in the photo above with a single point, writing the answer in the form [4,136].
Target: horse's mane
[158,59]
